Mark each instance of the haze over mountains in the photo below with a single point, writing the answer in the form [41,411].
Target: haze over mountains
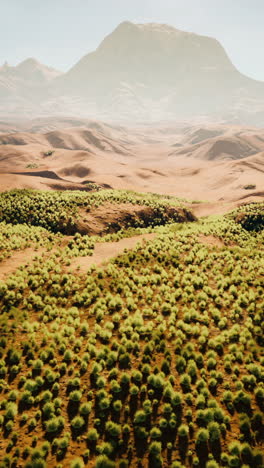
[24,84]
[151,109]
[138,73]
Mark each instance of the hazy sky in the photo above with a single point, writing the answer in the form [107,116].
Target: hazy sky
[59,32]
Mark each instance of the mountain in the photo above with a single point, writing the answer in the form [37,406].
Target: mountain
[157,71]
[151,58]
[27,73]
[24,85]
[149,72]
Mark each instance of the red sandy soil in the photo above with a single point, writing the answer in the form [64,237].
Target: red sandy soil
[210,240]
[103,252]
[109,217]
[18,258]
[96,221]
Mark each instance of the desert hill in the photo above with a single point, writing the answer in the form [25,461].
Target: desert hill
[94,136]
[51,123]
[210,162]
[223,147]
[25,78]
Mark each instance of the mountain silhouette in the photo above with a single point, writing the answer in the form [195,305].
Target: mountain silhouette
[152,71]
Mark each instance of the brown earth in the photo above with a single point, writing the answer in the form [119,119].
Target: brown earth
[18,258]
[109,218]
[210,240]
[103,252]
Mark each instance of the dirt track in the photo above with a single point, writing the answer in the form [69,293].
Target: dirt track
[18,258]
[103,252]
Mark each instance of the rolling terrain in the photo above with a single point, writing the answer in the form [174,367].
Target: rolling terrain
[131,319]
[210,162]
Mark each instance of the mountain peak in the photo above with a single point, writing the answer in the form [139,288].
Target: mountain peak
[32,66]
[159,27]
[151,50]
[126,29]
[31,61]
[148,27]
[125,25]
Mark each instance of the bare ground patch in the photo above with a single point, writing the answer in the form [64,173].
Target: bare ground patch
[207,209]
[110,218]
[210,240]
[18,258]
[104,252]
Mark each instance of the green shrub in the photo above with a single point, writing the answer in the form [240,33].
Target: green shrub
[155,448]
[77,463]
[202,437]
[85,409]
[11,410]
[104,462]
[183,430]
[214,432]
[75,396]
[92,435]
[113,429]
[77,422]
[54,424]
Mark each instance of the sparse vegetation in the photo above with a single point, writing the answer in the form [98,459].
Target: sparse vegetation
[250,186]
[32,166]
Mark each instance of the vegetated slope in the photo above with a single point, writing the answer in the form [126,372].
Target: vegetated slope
[154,359]
[104,252]
[96,213]
[250,216]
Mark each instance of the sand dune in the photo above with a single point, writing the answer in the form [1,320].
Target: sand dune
[55,122]
[72,139]
[209,162]
[226,146]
